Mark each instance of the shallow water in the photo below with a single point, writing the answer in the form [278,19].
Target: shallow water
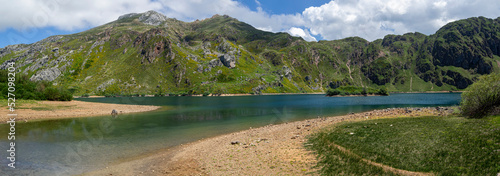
[72,146]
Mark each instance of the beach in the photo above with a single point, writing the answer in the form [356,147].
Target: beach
[43,110]
[270,150]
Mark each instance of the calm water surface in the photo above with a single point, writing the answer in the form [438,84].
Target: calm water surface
[72,146]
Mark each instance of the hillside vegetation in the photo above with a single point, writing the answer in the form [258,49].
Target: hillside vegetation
[149,53]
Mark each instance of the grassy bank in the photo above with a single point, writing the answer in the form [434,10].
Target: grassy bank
[441,145]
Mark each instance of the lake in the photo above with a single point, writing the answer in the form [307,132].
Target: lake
[73,146]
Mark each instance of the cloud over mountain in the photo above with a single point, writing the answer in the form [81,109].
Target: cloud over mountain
[370,19]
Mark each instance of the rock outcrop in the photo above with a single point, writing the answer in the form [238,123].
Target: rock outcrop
[152,44]
[103,86]
[150,17]
[49,74]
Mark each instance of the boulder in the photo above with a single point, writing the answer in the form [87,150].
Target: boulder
[228,60]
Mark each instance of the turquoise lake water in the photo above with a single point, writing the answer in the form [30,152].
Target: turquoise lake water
[73,146]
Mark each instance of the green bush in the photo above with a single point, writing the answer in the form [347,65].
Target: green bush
[29,90]
[54,94]
[332,92]
[363,92]
[482,98]
[382,91]
[65,95]
[51,93]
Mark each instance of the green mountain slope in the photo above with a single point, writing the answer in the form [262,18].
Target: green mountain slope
[150,53]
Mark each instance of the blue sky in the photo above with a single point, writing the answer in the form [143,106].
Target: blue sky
[283,7]
[29,21]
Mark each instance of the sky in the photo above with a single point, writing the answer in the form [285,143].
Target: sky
[28,21]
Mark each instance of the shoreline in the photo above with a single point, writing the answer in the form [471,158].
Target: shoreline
[45,110]
[269,150]
[444,91]
[265,94]
[221,95]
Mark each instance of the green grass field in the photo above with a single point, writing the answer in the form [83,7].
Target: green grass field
[439,145]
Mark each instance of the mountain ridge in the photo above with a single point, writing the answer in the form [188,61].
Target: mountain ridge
[150,53]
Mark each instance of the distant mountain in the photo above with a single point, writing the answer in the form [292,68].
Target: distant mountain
[150,53]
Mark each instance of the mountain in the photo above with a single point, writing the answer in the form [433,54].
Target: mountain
[150,53]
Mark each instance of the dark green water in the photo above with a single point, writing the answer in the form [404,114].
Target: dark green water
[72,146]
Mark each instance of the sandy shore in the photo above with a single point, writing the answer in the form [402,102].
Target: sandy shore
[39,110]
[270,150]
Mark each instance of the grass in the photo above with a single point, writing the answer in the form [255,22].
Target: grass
[19,103]
[441,145]
[34,105]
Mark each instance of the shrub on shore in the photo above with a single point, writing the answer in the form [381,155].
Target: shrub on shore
[332,92]
[33,90]
[482,98]
[382,91]
[353,90]
[54,94]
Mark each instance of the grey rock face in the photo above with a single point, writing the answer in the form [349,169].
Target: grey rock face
[224,47]
[150,17]
[214,63]
[192,57]
[103,86]
[49,74]
[258,90]
[39,63]
[97,43]
[228,60]
[287,72]
[200,68]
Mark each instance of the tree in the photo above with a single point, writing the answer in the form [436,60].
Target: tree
[482,98]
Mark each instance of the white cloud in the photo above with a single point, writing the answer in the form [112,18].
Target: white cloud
[190,10]
[258,3]
[370,19]
[298,32]
[373,19]
[67,14]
